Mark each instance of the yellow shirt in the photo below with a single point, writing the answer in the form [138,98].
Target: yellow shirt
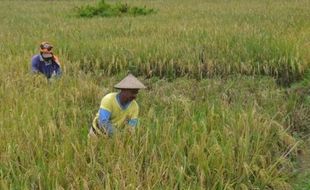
[119,116]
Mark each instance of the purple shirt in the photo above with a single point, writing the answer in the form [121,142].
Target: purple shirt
[48,68]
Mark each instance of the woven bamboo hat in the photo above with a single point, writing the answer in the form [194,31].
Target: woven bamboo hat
[130,82]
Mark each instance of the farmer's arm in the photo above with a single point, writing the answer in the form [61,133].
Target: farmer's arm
[105,114]
[59,70]
[133,121]
[34,64]
[104,120]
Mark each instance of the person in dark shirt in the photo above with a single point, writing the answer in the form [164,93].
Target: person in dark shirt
[46,62]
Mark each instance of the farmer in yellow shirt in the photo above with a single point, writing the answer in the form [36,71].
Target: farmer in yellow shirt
[118,109]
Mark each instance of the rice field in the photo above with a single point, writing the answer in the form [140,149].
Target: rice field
[227,103]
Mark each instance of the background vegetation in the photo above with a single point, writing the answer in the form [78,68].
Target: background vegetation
[214,116]
[104,9]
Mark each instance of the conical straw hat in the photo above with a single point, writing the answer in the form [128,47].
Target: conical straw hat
[130,82]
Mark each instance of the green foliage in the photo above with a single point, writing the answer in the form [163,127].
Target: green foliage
[140,11]
[300,116]
[207,134]
[106,10]
[303,183]
[213,38]
[302,179]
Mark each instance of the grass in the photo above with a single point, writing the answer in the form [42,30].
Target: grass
[304,183]
[302,174]
[184,140]
[212,118]
[206,39]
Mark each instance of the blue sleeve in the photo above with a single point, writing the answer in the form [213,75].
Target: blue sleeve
[104,121]
[133,122]
[104,116]
[34,64]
